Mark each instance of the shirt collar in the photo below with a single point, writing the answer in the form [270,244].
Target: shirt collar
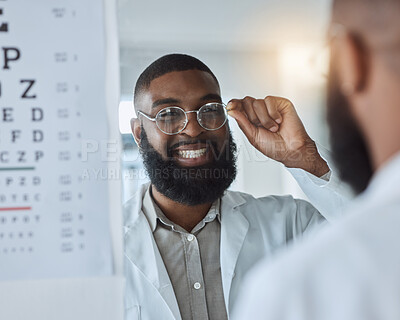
[386,177]
[149,209]
[153,212]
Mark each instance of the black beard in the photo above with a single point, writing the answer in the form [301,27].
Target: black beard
[190,185]
[349,148]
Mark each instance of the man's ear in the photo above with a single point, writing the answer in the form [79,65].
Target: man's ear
[136,130]
[352,64]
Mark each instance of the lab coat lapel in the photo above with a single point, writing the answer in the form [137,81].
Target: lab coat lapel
[141,249]
[234,227]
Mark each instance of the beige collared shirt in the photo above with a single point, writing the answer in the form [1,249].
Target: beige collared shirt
[192,261]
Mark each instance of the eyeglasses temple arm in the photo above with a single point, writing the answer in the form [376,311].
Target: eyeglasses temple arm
[145,115]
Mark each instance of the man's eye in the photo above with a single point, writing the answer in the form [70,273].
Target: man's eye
[168,115]
[210,109]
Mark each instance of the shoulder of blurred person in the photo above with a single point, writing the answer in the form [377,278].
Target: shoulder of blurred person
[350,271]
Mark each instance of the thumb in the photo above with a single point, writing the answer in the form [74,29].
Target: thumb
[244,124]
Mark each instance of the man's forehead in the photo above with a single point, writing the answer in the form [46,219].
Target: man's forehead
[180,85]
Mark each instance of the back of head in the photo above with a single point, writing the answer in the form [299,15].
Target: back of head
[364,95]
[376,23]
[166,64]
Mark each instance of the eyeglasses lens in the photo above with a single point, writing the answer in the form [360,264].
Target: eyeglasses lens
[212,116]
[172,120]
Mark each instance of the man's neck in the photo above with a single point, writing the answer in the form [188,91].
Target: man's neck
[183,215]
[384,138]
[379,115]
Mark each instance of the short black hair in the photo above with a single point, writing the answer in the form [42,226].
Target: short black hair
[167,64]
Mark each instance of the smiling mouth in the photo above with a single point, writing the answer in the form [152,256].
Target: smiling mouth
[192,154]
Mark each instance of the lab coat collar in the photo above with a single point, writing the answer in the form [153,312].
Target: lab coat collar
[384,180]
[234,228]
[141,248]
[383,188]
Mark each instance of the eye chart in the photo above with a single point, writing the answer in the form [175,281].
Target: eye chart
[53,222]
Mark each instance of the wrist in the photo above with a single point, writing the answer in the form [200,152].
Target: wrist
[307,158]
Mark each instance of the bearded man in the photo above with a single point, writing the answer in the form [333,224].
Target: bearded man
[350,271]
[188,240]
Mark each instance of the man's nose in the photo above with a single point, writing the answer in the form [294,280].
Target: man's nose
[193,128]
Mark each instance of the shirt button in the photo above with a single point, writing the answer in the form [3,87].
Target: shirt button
[190,237]
[197,285]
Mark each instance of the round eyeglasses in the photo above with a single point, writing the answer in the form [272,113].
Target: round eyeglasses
[173,120]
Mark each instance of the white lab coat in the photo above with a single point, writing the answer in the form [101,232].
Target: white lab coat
[350,271]
[250,229]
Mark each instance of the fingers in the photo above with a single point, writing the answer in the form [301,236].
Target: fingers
[247,103]
[262,112]
[259,112]
[237,111]
[272,104]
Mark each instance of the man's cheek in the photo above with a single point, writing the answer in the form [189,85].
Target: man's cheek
[166,152]
[158,144]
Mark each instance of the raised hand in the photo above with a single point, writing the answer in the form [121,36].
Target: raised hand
[273,127]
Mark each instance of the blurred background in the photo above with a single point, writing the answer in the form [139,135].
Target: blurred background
[254,47]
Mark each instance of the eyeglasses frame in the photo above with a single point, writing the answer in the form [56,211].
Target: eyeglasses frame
[187,120]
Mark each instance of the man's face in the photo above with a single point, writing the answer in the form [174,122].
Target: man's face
[189,90]
[194,166]
[347,141]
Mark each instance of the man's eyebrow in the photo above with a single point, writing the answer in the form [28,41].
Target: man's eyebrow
[164,101]
[212,96]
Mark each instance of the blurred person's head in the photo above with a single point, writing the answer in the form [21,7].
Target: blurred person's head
[364,87]
[196,165]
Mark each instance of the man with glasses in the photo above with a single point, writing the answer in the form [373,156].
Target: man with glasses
[188,240]
[352,270]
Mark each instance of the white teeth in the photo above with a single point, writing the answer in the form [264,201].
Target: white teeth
[192,153]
